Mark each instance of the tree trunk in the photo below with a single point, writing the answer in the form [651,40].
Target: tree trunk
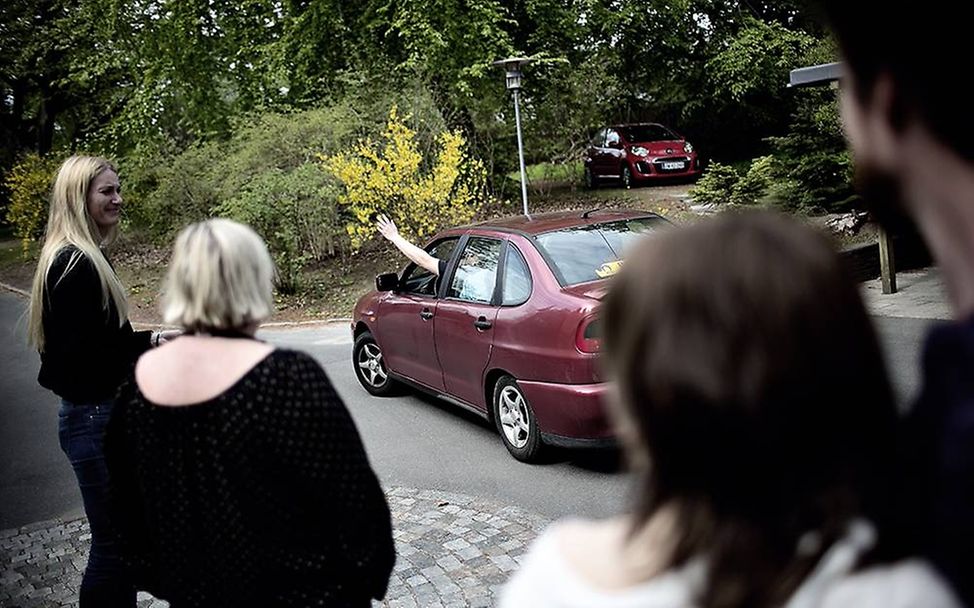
[46,113]
[20,128]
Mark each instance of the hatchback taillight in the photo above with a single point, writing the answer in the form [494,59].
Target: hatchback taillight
[588,337]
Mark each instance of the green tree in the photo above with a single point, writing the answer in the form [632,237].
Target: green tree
[59,73]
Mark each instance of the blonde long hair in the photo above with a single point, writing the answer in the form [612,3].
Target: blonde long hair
[69,223]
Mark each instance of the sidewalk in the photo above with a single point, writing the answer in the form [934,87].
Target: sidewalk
[920,295]
[452,550]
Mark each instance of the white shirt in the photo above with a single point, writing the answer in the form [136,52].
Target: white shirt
[478,283]
[547,580]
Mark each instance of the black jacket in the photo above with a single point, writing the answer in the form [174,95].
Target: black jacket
[261,496]
[86,353]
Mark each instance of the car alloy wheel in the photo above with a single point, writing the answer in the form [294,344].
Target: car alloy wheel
[590,181]
[370,367]
[626,178]
[515,420]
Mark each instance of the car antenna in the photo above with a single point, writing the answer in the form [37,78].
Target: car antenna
[589,212]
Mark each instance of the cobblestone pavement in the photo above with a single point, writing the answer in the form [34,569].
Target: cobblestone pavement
[452,550]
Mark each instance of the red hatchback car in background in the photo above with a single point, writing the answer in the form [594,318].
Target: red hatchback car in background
[511,329]
[637,153]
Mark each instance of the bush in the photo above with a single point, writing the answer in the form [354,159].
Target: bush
[167,192]
[753,186]
[29,182]
[172,190]
[813,167]
[390,178]
[716,185]
[295,213]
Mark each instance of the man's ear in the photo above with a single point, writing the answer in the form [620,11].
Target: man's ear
[891,103]
[875,120]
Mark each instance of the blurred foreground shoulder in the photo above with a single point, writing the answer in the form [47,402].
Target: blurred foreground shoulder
[536,583]
[907,584]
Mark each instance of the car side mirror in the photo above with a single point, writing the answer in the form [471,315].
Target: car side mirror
[386,282]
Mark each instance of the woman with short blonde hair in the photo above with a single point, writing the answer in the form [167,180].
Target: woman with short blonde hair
[78,321]
[239,478]
[221,277]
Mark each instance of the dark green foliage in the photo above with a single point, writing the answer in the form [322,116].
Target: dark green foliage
[716,185]
[197,97]
[269,175]
[813,166]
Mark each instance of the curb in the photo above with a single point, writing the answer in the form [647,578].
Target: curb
[270,326]
[286,324]
[274,325]
[16,290]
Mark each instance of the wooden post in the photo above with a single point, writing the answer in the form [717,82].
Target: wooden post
[887,262]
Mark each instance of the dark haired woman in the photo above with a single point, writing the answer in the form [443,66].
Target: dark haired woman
[754,406]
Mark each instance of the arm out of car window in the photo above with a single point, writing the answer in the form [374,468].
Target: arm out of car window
[387,228]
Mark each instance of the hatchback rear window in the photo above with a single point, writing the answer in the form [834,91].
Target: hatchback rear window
[644,133]
[586,253]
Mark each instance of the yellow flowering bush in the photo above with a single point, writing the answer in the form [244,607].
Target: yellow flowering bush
[390,177]
[29,184]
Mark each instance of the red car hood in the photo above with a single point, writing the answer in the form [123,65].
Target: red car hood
[594,290]
[663,148]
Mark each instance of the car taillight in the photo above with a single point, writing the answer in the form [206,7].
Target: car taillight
[588,338]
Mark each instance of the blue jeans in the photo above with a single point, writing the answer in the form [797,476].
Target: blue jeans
[81,430]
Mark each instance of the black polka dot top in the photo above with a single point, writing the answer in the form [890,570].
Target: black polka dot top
[262,496]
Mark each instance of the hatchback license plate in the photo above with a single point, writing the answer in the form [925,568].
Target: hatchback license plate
[670,166]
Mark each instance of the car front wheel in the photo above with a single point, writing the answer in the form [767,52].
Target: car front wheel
[370,367]
[591,182]
[515,420]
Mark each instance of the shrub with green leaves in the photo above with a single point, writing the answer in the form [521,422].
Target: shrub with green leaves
[166,192]
[268,175]
[813,167]
[295,212]
[716,185]
[753,185]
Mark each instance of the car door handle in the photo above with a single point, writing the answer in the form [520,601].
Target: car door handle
[427,314]
[482,323]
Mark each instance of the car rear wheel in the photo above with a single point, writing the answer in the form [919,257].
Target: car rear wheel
[370,367]
[626,177]
[591,182]
[515,420]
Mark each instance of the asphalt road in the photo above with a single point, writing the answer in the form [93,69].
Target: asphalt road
[412,440]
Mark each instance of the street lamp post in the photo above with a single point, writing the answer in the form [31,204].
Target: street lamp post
[512,66]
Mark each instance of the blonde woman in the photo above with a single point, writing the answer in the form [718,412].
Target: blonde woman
[78,321]
[238,476]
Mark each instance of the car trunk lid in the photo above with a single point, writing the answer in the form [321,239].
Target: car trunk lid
[593,290]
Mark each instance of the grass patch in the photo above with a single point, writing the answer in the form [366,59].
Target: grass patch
[550,172]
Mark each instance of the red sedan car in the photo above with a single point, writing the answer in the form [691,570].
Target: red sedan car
[510,331]
[638,153]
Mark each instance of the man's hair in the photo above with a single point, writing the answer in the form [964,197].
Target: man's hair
[221,277]
[754,399]
[924,50]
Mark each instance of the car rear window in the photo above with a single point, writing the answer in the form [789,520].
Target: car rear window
[586,253]
[643,133]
